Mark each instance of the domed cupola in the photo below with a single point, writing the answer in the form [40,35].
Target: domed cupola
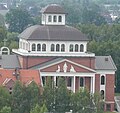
[53,15]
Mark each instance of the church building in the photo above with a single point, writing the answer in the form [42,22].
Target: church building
[56,49]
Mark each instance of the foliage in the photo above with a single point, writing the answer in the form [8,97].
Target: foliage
[105,40]
[5,97]
[5,110]
[2,21]
[62,100]
[18,19]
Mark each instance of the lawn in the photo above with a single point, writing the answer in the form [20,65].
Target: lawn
[117,94]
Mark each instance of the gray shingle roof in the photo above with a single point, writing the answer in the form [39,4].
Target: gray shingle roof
[53,9]
[9,61]
[53,33]
[104,63]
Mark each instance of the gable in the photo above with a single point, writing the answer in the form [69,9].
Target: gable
[66,66]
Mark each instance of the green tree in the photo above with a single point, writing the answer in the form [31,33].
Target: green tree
[17,98]
[62,100]
[5,97]
[18,19]
[5,110]
[49,95]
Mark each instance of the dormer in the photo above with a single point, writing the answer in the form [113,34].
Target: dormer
[53,15]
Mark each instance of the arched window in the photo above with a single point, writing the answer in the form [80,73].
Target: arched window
[26,46]
[63,47]
[52,47]
[81,48]
[69,81]
[54,18]
[20,45]
[33,47]
[5,51]
[81,82]
[57,47]
[60,19]
[44,47]
[102,80]
[76,48]
[50,18]
[71,48]
[102,94]
[38,47]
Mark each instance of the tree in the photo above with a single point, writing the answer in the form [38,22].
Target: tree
[17,98]
[49,95]
[38,109]
[62,100]
[5,97]
[5,110]
[18,19]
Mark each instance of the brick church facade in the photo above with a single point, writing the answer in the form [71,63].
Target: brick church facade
[55,49]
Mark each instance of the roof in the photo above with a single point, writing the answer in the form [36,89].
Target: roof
[53,9]
[104,63]
[25,76]
[9,61]
[101,63]
[2,7]
[53,33]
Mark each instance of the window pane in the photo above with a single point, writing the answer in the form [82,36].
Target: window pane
[69,82]
[60,19]
[81,82]
[81,48]
[44,47]
[62,47]
[102,94]
[71,48]
[33,47]
[102,80]
[38,47]
[57,47]
[76,48]
[49,18]
[52,47]
[54,19]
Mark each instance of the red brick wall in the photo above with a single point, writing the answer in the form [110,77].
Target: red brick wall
[32,61]
[87,83]
[110,81]
[77,84]
[27,62]
[97,83]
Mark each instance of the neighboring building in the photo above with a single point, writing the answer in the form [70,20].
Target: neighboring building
[56,49]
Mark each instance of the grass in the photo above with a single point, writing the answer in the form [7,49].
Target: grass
[117,94]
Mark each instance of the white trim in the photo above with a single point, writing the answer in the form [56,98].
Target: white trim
[105,71]
[71,63]
[67,74]
[109,102]
[93,84]
[74,82]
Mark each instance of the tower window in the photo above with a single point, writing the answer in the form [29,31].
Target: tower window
[102,80]
[50,18]
[33,47]
[81,82]
[57,47]
[62,47]
[38,47]
[71,48]
[81,48]
[52,47]
[60,19]
[44,47]
[76,48]
[55,19]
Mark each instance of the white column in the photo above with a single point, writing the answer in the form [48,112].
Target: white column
[94,84]
[74,84]
[55,80]
[91,85]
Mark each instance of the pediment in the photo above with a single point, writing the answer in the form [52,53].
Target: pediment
[66,66]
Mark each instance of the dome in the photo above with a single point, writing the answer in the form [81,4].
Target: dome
[53,9]
[53,33]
